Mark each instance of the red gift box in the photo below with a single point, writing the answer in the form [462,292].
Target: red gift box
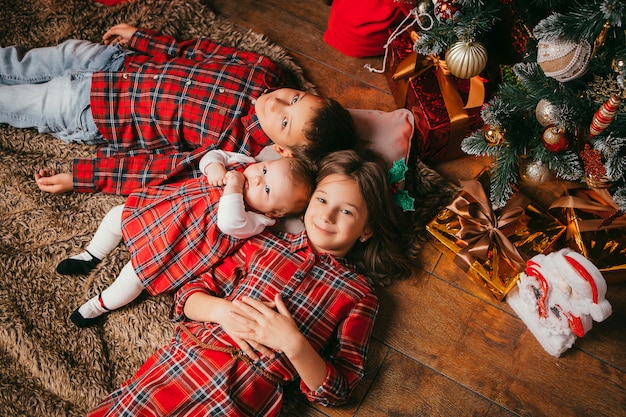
[436,137]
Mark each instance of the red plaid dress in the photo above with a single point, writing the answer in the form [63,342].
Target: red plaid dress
[170,104]
[171,233]
[333,306]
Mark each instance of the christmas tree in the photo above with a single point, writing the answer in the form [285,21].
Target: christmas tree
[562,114]
[559,111]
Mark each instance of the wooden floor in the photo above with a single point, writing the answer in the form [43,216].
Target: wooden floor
[442,346]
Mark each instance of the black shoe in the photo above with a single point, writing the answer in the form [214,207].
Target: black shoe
[82,322]
[76,266]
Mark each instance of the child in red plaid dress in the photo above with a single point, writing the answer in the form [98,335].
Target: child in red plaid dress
[174,232]
[282,307]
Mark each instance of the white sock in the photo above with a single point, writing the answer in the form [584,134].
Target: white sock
[122,291]
[107,237]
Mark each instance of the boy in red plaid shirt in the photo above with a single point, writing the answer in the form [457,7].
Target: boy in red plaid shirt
[174,232]
[282,307]
[155,108]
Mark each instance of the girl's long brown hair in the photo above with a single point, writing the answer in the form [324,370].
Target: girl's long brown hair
[383,256]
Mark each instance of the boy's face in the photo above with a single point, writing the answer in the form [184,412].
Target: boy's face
[283,115]
[336,216]
[270,189]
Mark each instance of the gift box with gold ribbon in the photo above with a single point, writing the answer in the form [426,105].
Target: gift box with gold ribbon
[595,228]
[446,108]
[493,246]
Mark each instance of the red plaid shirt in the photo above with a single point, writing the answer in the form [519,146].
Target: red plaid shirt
[333,306]
[170,104]
[171,232]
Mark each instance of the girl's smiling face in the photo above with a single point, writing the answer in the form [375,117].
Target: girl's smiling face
[336,216]
[283,115]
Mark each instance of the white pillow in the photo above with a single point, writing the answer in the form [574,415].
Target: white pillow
[388,133]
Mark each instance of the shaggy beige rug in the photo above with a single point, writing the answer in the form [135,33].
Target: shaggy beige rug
[48,367]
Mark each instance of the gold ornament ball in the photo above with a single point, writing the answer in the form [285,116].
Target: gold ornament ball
[619,64]
[545,112]
[494,135]
[535,172]
[466,59]
[555,139]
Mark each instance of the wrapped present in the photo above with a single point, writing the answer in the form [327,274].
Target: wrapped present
[493,246]
[595,228]
[446,108]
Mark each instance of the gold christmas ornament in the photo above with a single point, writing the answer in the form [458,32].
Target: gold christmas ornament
[466,59]
[535,172]
[545,112]
[555,139]
[563,60]
[618,64]
[494,135]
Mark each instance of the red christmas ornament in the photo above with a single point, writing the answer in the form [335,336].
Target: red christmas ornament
[555,139]
[446,10]
[604,116]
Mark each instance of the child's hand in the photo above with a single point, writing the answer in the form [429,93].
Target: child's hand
[232,326]
[235,182]
[275,329]
[215,173]
[53,183]
[119,34]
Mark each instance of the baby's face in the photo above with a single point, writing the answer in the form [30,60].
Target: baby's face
[269,186]
[284,113]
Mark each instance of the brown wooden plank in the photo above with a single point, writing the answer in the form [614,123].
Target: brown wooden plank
[408,388]
[299,27]
[492,353]
[297,402]
[350,92]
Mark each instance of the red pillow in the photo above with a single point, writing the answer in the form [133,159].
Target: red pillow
[359,28]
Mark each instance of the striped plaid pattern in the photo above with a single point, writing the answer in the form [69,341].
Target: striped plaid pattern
[171,233]
[333,306]
[170,104]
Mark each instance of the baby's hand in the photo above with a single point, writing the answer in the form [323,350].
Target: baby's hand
[235,182]
[215,173]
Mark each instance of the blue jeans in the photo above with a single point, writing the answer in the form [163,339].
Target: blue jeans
[49,88]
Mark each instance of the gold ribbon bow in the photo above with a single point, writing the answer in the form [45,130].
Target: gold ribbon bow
[597,202]
[415,65]
[480,226]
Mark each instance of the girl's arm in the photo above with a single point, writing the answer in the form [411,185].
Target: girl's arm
[204,307]
[278,330]
[327,381]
